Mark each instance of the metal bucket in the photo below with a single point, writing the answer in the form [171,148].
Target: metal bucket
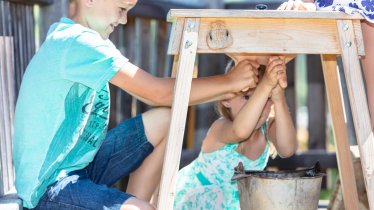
[282,190]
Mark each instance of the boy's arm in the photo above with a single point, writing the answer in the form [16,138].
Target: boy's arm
[281,128]
[159,91]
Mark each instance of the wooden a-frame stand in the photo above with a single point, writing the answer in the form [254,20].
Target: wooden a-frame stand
[240,32]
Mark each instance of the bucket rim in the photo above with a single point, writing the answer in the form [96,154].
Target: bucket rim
[242,176]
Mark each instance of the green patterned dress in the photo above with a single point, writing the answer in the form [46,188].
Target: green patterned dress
[206,182]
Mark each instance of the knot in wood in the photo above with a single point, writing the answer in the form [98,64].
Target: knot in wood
[219,37]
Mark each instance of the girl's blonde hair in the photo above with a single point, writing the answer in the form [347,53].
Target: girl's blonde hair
[219,107]
[226,112]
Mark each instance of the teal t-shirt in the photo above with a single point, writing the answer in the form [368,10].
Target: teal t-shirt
[63,107]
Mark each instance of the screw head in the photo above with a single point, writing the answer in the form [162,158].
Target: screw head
[345,27]
[261,6]
[191,25]
[188,44]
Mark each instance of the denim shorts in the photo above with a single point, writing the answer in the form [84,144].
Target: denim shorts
[124,149]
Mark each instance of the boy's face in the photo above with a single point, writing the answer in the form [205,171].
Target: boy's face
[104,15]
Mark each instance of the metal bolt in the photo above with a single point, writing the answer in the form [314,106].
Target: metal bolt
[348,44]
[345,27]
[191,25]
[261,6]
[188,44]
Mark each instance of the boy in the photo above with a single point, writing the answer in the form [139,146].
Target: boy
[62,155]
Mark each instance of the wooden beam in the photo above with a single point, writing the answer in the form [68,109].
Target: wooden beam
[282,36]
[316,103]
[42,2]
[179,113]
[359,37]
[255,14]
[50,14]
[335,101]
[360,111]
[7,105]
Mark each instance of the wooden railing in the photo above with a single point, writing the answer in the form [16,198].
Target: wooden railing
[17,46]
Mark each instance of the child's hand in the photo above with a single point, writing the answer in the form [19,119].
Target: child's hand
[275,71]
[277,93]
[283,80]
[244,75]
[306,5]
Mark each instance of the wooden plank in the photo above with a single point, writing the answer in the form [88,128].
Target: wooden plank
[175,65]
[316,104]
[359,37]
[282,36]
[51,14]
[276,14]
[360,111]
[191,122]
[179,113]
[335,101]
[161,49]
[176,36]
[336,200]
[42,2]
[11,108]
[6,112]
[3,121]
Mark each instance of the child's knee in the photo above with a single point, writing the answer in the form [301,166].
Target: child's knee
[159,116]
[135,204]
[164,112]
[156,124]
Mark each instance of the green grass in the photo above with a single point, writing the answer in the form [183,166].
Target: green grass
[327,193]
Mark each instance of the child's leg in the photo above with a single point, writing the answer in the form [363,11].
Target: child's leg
[144,180]
[77,191]
[368,65]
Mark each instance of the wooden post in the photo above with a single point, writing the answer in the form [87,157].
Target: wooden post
[360,111]
[7,104]
[335,100]
[179,112]
[316,104]
[51,14]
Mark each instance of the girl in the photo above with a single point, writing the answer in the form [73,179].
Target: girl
[242,134]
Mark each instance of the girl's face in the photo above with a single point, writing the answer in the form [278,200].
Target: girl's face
[236,104]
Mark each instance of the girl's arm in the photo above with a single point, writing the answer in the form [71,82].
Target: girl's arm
[281,128]
[226,131]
